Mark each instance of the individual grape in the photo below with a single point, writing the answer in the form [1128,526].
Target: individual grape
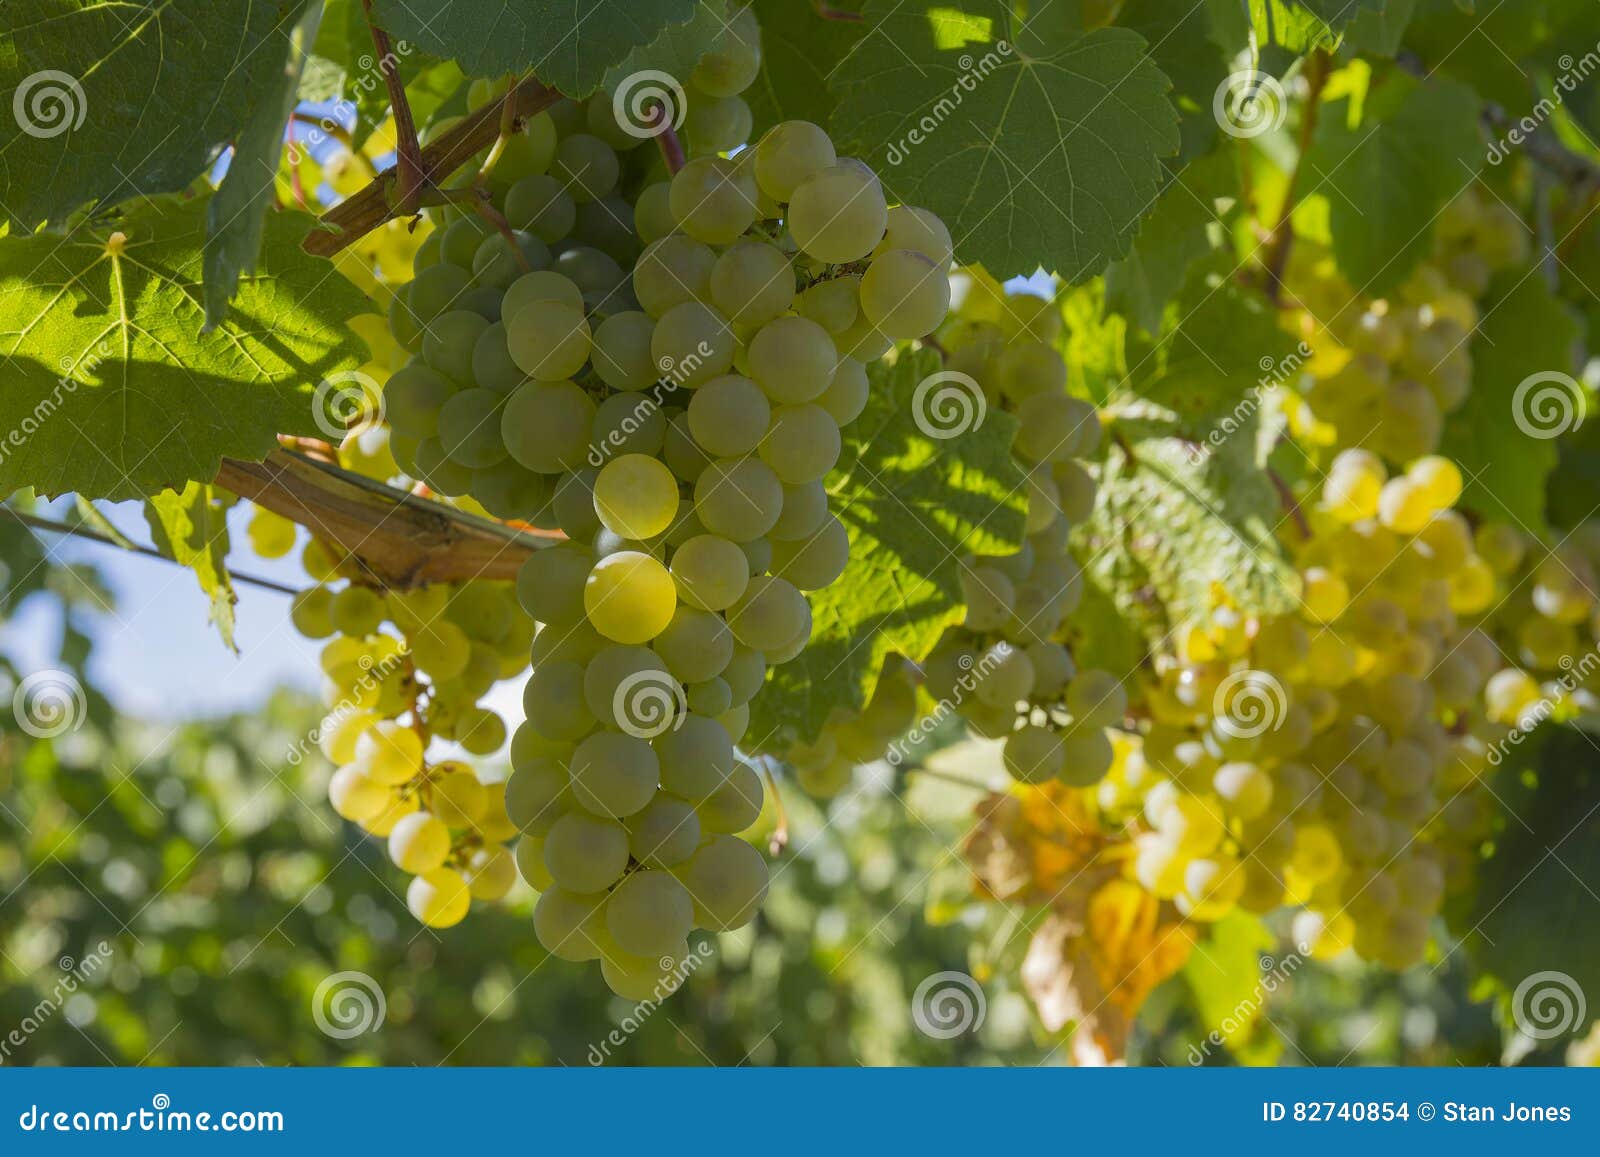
[549,340]
[816,561]
[683,454]
[622,685]
[389,752]
[905,294]
[499,261]
[735,805]
[805,508]
[838,214]
[550,583]
[469,428]
[439,898]
[718,124]
[586,166]
[356,610]
[636,496]
[664,833]
[573,504]
[448,342]
[419,843]
[490,873]
[1055,428]
[834,304]
[644,978]
[621,354]
[628,423]
[546,426]
[732,65]
[492,367]
[629,597]
[585,853]
[649,913]
[847,392]
[613,774]
[769,614]
[729,416]
[738,498]
[1097,699]
[1086,756]
[696,645]
[711,572]
[310,612]
[793,360]
[714,199]
[541,285]
[355,796]
[529,857]
[459,800]
[412,398]
[537,794]
[1034,754]
[539,205]
[802,444]
[652,212]
[570,925]
[790,154]
[752,283]
[696,758]
[595,273]
[553,698]
[460,240]
[671,271]
[727,880]
[692,344]
[920,231]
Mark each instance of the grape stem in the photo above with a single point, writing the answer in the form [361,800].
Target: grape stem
[34,522]
[411,175]
[362,212]
[828,12]
[1318,67]
[779,840]
[1291,504]
[667,138]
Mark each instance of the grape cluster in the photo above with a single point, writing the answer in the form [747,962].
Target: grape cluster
[656,365]
[824,766]
[390,693]
[1388,371]
[1005,669]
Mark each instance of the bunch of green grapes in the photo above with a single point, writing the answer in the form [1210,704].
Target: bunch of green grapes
[1388,371]
[1332,758]
[658,367]
[824,766]
[1006,669]
[401,669]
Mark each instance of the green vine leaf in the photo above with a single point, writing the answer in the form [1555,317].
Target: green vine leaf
[1417,145]
[1036,146]
[678,49]
[1504,435]
[800,52]
[567,44]
[135,98]
[1177,522]
[914,505]
[190,526]
[112,388]
[238,209]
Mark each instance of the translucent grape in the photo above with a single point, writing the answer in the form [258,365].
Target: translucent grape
[629,597]
[636,496]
